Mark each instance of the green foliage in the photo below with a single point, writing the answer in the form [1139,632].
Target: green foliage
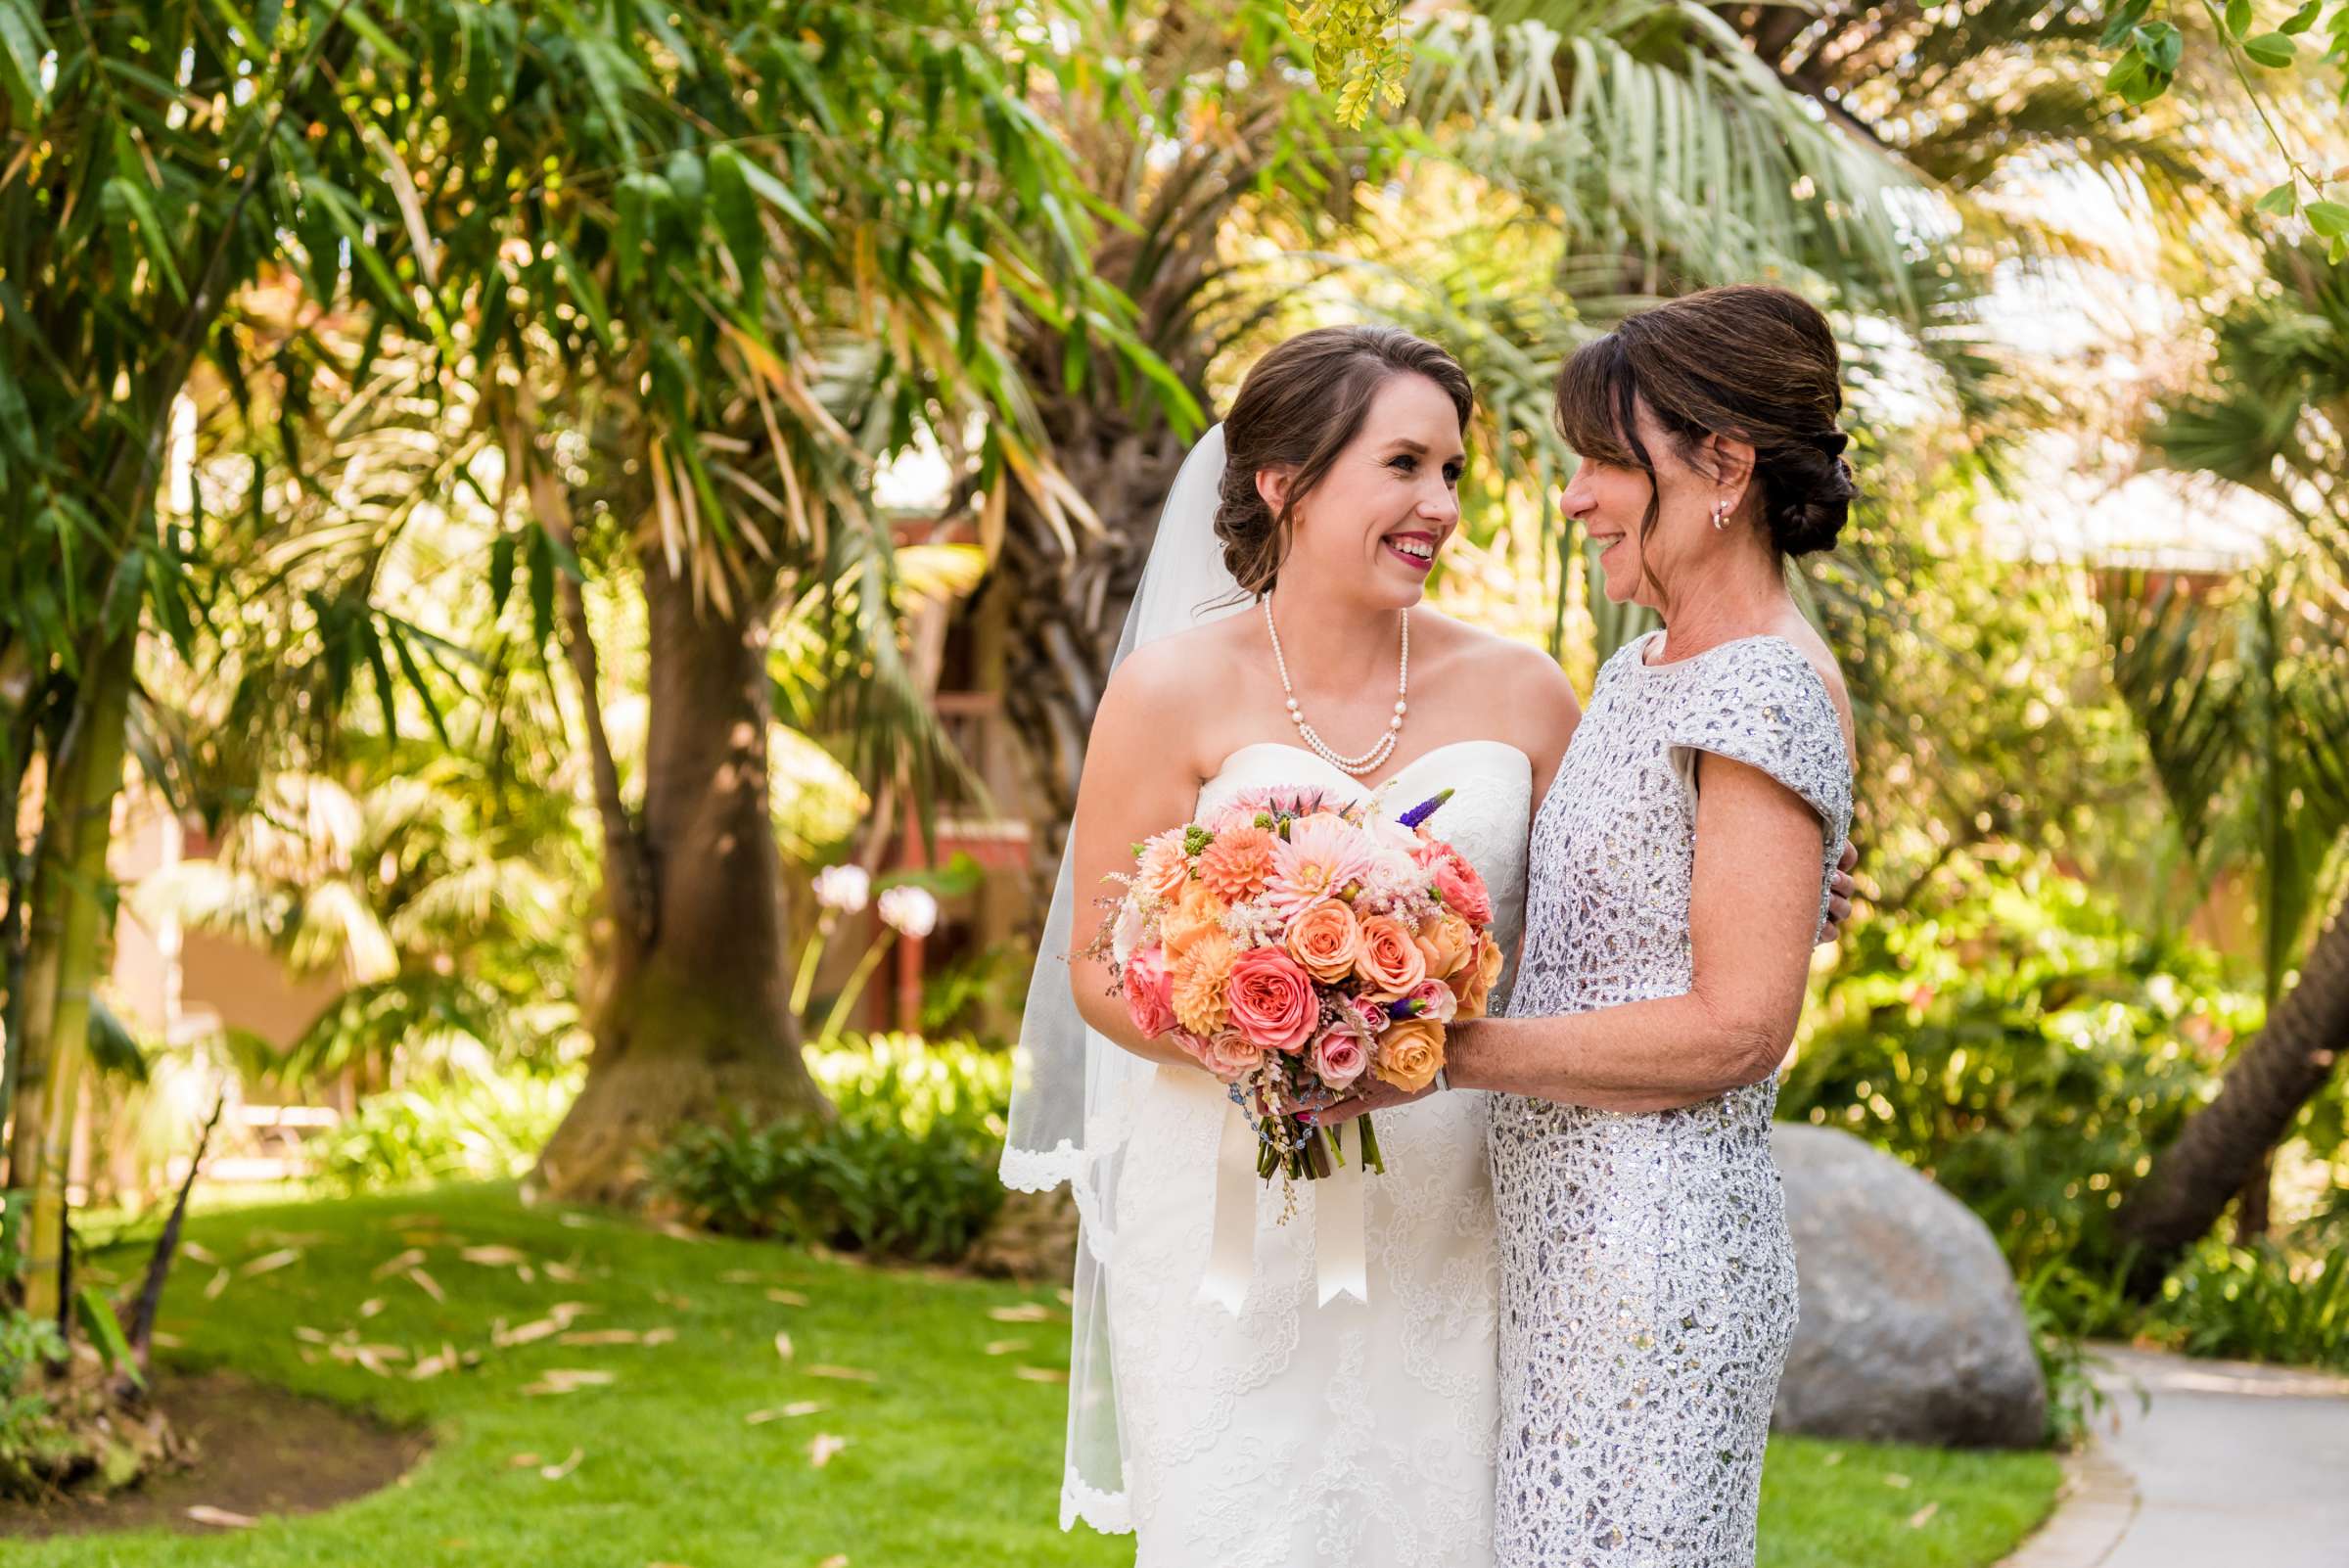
[2266,1302]
[29,1345]
[1357,52]
[2022,1046]
[905,1169]
[467,1127]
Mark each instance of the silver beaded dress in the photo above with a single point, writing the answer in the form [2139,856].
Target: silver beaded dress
[1648,1276]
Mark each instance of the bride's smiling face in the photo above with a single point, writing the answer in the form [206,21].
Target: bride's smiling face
[1382,513]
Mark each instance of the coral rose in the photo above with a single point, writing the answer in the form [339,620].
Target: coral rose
[1150,992]
[1389,962]
[1270,1000]
[1462,888]
[1239,863]
[1409,1052]
[1326,940]
[1446,942]
[1339,1056]
[1202,972]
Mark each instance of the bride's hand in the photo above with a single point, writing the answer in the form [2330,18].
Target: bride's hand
[1839,894]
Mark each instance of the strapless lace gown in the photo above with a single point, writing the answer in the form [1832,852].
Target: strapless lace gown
[1648,1289]
[1352,1434]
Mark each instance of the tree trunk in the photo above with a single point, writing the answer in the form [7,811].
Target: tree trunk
[66,938]
[2251,1205]
[689,1000]
[2278,1072]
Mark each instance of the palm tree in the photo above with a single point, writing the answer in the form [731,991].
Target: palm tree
[2245,711]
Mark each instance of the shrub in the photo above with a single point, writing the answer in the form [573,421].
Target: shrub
[2024,1047]
[460,1129]
[905,1169]
[2263,1303]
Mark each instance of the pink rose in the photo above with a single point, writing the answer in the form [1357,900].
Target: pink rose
[1435,1000]
[1226,1055]
[1270,1000]
[1463,889]
[1339,1056]
[1150,992]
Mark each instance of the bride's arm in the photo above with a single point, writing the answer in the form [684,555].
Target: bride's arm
[1136,783]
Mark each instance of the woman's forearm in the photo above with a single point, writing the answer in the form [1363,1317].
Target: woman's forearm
[1643,1056]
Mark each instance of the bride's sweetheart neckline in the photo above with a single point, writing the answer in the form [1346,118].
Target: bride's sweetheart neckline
[1367,788]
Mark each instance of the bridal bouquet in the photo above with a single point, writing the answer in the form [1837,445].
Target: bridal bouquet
[1292,945]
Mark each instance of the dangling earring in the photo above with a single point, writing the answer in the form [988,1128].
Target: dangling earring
[1721,515]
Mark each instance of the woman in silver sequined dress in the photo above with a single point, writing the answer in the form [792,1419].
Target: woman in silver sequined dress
[1678,875]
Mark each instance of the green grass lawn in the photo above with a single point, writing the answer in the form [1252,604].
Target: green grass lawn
[951,1451]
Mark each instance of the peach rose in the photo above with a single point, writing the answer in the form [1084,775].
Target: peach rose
[1337,1056]
[1326,940]
[1202,972]
[1226,1055]
[1196,914]
[1389,962]
[1446,942]
[1150,992]
[1270,1000]
[1474,987]
[1409,1052]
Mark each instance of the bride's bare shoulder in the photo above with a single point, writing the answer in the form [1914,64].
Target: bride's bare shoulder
[1511,672]
[1176,679]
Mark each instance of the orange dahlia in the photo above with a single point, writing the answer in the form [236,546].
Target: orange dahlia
[1201,977]
[1238,863]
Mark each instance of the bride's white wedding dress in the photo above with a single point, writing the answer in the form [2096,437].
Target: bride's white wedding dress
[1350,1435]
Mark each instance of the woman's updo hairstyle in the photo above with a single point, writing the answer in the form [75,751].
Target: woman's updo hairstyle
[1754,363]
[1300,406]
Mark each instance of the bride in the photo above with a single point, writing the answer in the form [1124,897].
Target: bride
[1262,1374]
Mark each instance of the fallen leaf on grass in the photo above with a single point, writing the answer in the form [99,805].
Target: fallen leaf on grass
[1041,1374]
[427,1284]
[1068,1297]
[792,1411]
[493,1257]
[288,1239]
[788,1297]
[307,1334]
[166,1341]
[783,1346]
[1004,1347]
[850,1373]
[1917,1520]
[400,1264]
[605,1336]
[198,1251]
[371,1306]
[556,1472]
[559,1318]
[1834,1457]
[562,1274]
[435,1365]
[683,1304]
[212,1292]
[1897,1480]
[1026,1313]
[678,1232]
[659,1336]
[566,1380]
[205,1513]
[838,1559]
[742,1276]
[522,1461]
[416,1221]
[820,1451]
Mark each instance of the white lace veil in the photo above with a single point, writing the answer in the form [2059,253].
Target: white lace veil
[1073,1098]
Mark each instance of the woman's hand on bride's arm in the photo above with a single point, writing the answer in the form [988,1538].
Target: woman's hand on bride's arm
[1841,890]
[1379,1097]
[1135,784]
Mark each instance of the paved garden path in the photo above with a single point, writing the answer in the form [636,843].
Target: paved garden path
[2218,1464]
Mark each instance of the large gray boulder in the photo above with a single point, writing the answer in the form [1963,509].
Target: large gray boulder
[1911,1330]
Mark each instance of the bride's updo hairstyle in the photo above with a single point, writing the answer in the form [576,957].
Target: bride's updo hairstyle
[1754,363]
[1299,408]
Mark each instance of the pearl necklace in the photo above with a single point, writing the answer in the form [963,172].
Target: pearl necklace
[1377,753]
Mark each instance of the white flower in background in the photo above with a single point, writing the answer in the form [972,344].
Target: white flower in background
[845,888]
[910,910]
